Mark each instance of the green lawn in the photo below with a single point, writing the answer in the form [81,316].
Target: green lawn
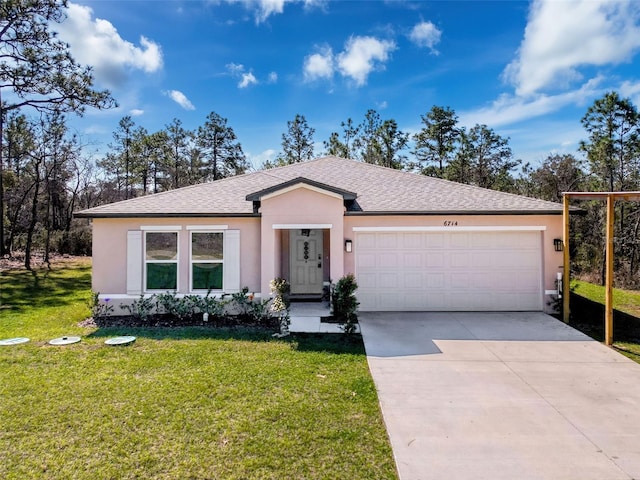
[627,301]
[183,403]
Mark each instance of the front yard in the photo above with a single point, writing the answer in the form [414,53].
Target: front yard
[180,402]
[590,319]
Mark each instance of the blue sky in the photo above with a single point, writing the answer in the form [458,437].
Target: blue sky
[529,70]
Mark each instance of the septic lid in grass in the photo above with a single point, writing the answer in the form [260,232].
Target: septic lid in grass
[64,340]
[14,341]
[120,341]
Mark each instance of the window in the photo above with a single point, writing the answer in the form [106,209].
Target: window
[161,260]
[207,260]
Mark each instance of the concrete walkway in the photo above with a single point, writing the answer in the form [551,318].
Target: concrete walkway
[502,396]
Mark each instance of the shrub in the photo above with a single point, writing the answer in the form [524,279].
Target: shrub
[99,309]
[181,308]
[344,303]
[281,289]
[141,308]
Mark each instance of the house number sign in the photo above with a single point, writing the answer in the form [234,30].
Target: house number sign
[450,223]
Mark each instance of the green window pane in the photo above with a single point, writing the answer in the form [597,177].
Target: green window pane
[206,246]
[162,246]
[162,276]
[207,276]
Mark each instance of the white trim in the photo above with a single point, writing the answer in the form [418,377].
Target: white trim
[161,228]
[293,226]
[298,186]
[540,228]
[551,292]
[192,261]
[207,227]
[145,262]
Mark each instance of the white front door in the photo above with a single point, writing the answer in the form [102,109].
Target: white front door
[305,247]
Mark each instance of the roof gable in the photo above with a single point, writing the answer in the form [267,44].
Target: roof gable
[297,182]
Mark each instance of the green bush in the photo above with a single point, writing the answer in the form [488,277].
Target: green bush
[344,302]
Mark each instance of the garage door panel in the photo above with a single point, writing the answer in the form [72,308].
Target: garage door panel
[413,281]
[460,240]
[388,241]
[412,241]
[459,259]
[434,280]
[412,260]
[434,259]
[388,260]
[433,241]
[366,261]
[455,271]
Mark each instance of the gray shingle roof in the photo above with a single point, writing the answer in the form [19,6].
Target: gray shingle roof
[379,190]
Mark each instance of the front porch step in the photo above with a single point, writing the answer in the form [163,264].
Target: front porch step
[307,318]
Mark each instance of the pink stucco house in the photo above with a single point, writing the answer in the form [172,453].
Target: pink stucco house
[413,242]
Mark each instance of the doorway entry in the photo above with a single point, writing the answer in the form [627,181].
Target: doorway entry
[305,261]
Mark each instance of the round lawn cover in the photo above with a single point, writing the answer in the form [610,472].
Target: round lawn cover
[120,341]
[64,341]
[14,341]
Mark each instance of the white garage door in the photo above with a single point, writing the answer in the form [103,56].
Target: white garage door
[449,271]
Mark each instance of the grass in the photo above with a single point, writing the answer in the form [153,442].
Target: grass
[627,301]
[192,403]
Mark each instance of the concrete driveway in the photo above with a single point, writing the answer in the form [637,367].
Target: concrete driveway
[502,396]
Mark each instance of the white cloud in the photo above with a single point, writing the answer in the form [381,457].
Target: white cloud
[319,65]
[238,70]
[562,36]
[258,160]
[235,68]
[247,80]
[362,55]
[263,9]
[96,42]
[509,109]
[136,112]
[427,35]
[272,78]
[181,99]
[632,91]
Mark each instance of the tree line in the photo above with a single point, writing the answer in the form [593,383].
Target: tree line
[46,174]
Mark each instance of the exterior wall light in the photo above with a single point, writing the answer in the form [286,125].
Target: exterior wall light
[557,245]
[348,246]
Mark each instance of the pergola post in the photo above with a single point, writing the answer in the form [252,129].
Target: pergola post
[566,271]
[608,314]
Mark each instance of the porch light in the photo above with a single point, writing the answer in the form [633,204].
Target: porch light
[348,246]
[557,244]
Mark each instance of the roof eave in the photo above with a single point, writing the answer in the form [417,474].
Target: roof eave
[164,215]
[456,212]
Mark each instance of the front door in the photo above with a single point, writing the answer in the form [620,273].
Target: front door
[305,247]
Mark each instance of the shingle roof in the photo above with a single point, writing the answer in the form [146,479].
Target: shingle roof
[379,190]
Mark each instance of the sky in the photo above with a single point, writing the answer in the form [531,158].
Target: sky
[528,70]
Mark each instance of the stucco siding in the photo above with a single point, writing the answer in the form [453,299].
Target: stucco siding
[110,250]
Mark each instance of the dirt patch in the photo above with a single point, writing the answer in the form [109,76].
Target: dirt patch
[16,261]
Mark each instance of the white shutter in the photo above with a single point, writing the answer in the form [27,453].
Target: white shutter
[231,261]
[134,262]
